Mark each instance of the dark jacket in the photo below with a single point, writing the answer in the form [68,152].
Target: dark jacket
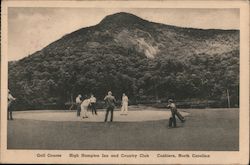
[110,101]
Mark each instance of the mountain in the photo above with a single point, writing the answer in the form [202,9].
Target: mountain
[125,53]
[129,31]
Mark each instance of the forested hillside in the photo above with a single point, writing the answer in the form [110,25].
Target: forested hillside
[124,53]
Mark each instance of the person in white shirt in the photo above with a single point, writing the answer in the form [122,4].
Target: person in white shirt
[78,104]
[10,100]
[124,109]
[84,108]
[92,104]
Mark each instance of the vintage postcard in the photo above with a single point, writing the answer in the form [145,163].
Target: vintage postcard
[125,82]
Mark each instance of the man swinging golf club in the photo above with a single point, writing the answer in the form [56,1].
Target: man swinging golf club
[172,119]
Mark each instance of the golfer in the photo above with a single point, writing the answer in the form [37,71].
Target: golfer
[10,100]
[110,102]
[78,104]
[124,109]
[84,107]
[92,104]
[172,119]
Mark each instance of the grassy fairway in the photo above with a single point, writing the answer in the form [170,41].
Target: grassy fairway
[212,129]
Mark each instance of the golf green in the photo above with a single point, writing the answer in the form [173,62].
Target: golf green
[204,130]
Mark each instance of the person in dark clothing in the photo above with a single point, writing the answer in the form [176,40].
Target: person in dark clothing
[110,102]
[172,120]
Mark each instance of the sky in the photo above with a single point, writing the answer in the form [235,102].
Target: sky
[30,29]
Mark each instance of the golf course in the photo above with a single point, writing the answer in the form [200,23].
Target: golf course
[144,128]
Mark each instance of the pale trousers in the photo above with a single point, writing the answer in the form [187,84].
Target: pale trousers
[84,112]
[124,108]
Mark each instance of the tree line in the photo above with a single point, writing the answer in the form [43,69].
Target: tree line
[49,80]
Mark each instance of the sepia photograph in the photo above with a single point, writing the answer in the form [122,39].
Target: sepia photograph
[120,78]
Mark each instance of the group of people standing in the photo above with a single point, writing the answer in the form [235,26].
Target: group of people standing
[84,103]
